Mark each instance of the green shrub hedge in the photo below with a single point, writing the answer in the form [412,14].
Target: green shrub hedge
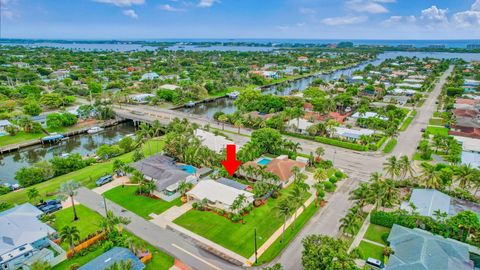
[387,219]
[390,145]
[343,144]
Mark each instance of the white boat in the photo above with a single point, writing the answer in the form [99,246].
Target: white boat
[94,130]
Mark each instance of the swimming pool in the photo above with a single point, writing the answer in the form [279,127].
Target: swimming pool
[264,161]
[188,169]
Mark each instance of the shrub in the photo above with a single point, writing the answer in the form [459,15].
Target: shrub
[221,212]
[339,174]
[333,179]
[275,194]
[195,205]
[257,203]
[387,219]
[329,186]
[348,145]
[74,266]
[384,237]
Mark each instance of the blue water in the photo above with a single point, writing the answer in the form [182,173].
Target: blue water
[264,161]
[188,169]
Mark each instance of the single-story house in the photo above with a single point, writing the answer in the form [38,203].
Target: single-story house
[419,249]
[460,131]
[401,100]
[214,142]
[429,201]
[3,124]
[299,125]
[358,115]
[149,76]
[217,194]
[41,119]
[116,254]
[23,235]
[469,82]
[142,98]
[165,172]
[281,166]
[400,91]
[352,134]
[169,87]
[469,144]
[409,85]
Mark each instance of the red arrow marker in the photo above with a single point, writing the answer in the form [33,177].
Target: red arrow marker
[231,164]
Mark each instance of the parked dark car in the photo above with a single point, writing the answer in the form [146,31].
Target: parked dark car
[103,180]
[50,206]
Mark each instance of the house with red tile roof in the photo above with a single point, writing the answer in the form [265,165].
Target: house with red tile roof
[470,132]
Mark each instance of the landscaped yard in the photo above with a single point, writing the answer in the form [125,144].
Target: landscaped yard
[375,232]
[369,250]
[406,123]
[389,146]
[237,237]
[19,138]
[140,205]
[437,130]
[436,122]
[87,223]
[86,176]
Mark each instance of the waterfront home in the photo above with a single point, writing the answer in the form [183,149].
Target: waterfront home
[166,174]
[409,85]
[214,142]
[149,76]
[24,238]
[469,82]
[352,134]
[419,249]
[41,119]
[114,255]
[280,166]
[3,124]
[218,195]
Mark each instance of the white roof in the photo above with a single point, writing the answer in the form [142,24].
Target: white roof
[403,91]
[217,192]
[302,123]
[353,133]
[409,85]
[427,201]
[212,141]
[149,76]
[4,123]
[169,86]
[469,144]
[20,226]
[367,115]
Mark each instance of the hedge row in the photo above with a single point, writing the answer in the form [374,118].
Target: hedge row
[390,145]
[387,219]
[343,144]
[406,123]
[378,144]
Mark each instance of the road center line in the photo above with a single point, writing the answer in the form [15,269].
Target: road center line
[196,257]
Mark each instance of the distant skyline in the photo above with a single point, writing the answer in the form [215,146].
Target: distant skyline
[241,19]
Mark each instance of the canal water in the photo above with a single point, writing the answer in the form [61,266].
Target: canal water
[226,105]
[84,144]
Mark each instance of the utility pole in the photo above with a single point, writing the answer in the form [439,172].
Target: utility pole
[255,236]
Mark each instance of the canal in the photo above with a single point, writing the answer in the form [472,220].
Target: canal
[84,144]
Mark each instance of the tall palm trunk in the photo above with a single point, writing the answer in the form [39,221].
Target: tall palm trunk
[75,217]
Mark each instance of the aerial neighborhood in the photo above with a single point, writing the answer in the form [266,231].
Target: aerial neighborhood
[237,155]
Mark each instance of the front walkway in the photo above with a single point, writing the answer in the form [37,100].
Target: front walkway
[360,234]
[124,180]
[167,217]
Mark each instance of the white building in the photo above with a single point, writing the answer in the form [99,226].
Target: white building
[299,125]
[3,124]
[218,195]
[352,134]
[141,98]
[212,141]
[169,87]
[149,76]
[358,115]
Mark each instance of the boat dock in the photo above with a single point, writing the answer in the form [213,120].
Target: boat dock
[55,137]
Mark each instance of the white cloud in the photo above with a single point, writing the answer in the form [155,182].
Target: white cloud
[344,20]
[366,6]
[397,20]
[207,3]
[304,10]
[476,6]
[434,15]
[122,3]
[168,7]
[5,11]
[130,13]
[467,18]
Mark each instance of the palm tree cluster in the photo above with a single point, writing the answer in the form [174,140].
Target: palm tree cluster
[147,132]
[380,191]
[352,221]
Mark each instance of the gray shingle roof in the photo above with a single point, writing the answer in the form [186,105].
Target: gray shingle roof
[419,249]
[428,201]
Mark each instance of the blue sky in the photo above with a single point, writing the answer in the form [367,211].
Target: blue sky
[300,19]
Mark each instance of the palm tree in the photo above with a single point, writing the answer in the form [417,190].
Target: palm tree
[295,198]
[136,245]
[319,151]
[284,210]
[112,222]
[69,189]
[40,265]
[33,194]
[464,175]
[238,124]
[320,174]
[429,177]
[70,234]
[392,167]
[144,134]
[406,167]
[183,187]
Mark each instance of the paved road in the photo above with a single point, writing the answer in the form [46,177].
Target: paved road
[167,240]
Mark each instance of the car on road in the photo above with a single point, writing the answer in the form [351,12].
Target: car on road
[103,180]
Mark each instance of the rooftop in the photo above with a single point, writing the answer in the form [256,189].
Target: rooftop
[214,142]
[217,192]
[112,256]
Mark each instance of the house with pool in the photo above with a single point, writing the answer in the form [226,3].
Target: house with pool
[167,175]
[280,166]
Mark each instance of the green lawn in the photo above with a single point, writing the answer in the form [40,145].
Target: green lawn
[375,232]
[437,130]
[436,122]
[19,138]
[88,223]
[86,176]
[290,234]
[236,236]
[406,123]
[140,205]
[389,146]
[368,250]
